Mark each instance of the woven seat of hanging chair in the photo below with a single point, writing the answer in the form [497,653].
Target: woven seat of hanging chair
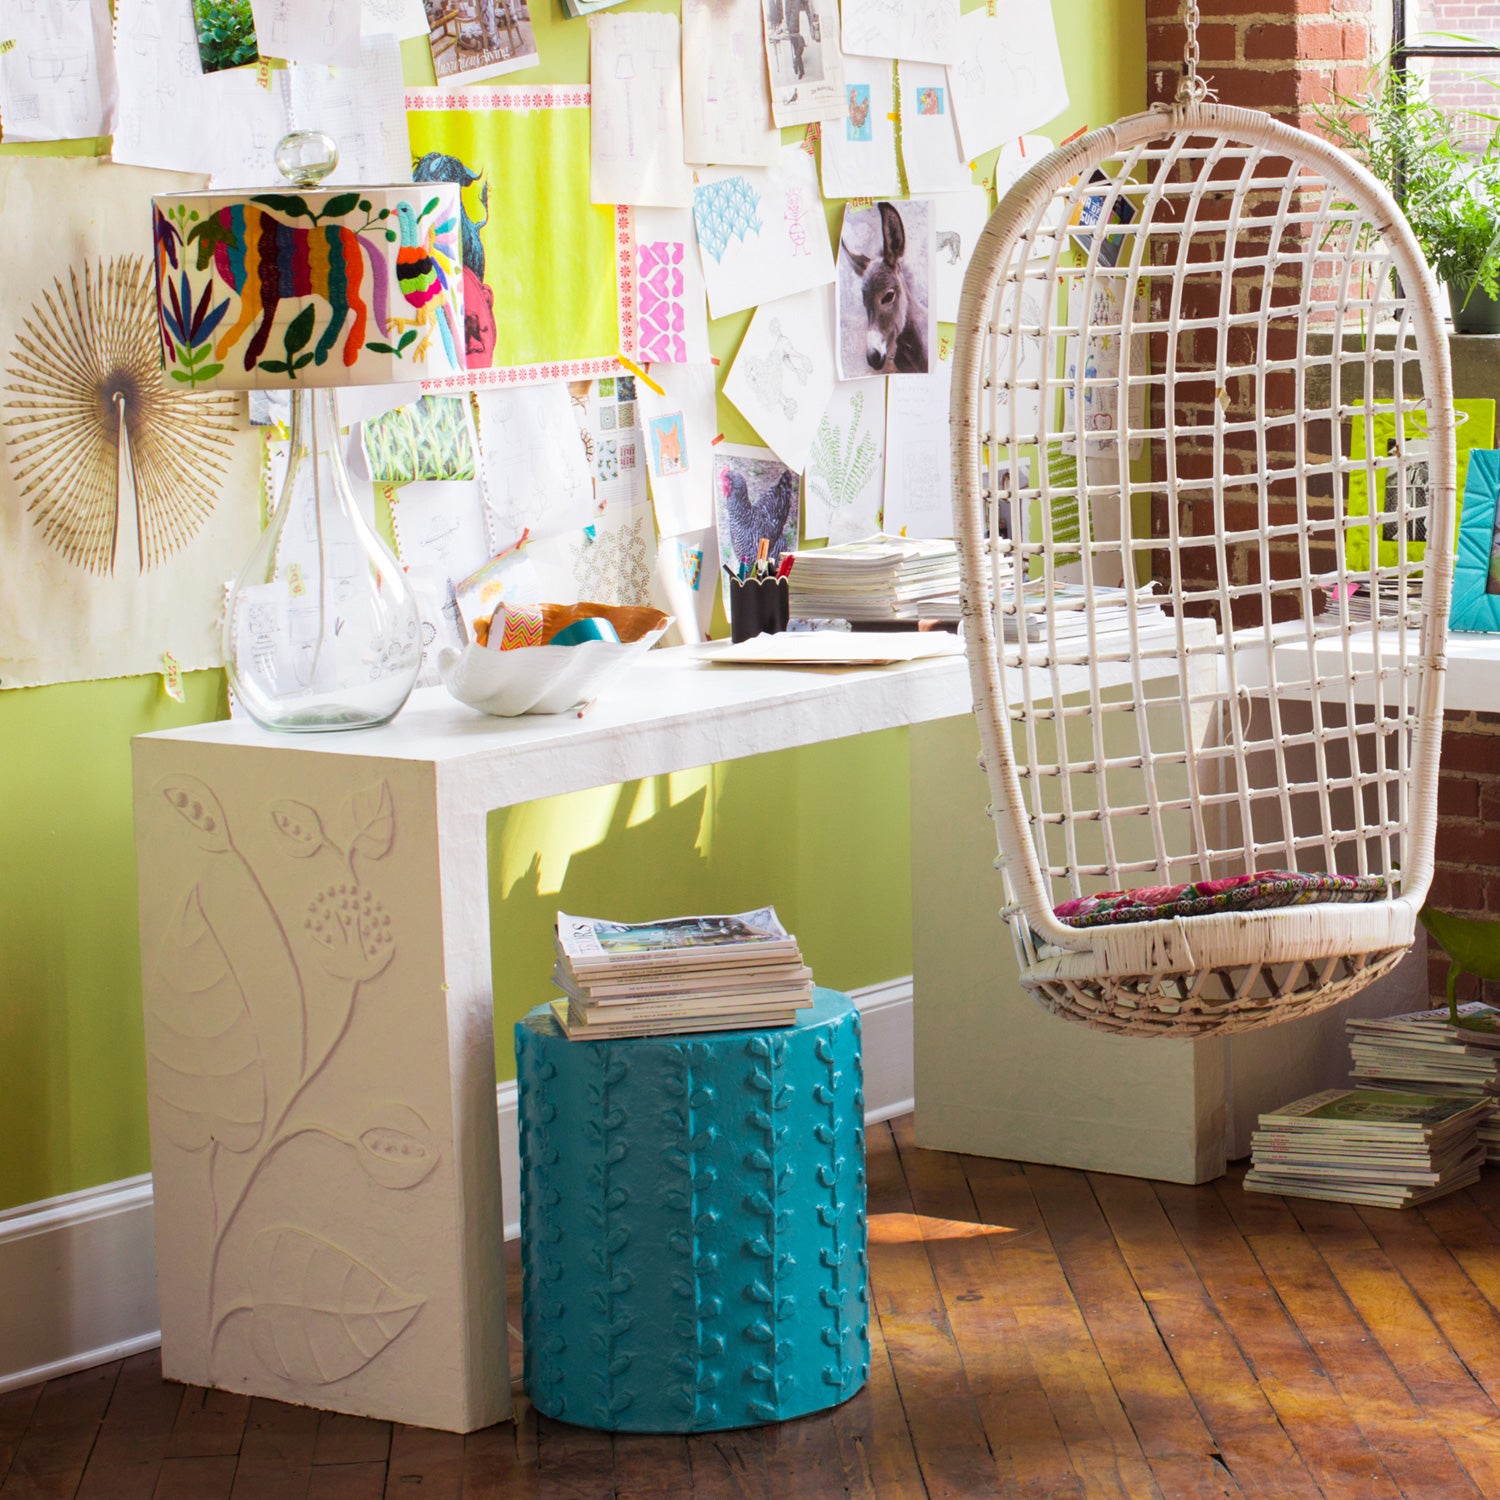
[1265,890]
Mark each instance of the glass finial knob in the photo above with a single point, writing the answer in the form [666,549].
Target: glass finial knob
[306,157]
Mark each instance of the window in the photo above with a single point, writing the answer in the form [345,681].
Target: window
[1455,46]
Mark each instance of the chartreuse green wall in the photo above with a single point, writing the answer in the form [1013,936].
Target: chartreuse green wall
[821,832]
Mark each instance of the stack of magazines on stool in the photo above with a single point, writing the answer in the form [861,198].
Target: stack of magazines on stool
[679,974]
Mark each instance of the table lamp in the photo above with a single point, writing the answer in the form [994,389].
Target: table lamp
[309,288]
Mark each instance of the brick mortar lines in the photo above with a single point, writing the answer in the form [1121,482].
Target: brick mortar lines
[1466,877]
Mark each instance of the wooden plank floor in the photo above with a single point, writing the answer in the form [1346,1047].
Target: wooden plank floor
[1035,1332]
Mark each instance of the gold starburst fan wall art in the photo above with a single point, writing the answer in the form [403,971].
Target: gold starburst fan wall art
[116,468]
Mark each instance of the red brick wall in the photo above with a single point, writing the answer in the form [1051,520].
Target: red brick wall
[1281,55]
[1467,879]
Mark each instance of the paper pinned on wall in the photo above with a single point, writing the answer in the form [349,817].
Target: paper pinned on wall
[678,429]
[1019,366]
[918,463]
[1094,369]
[784,373]
[475,41]
[401,18]
[57,77]
[532,461]
[961,218]
[761,232]
[362,107]
[309,33]
[913,30]
[806,64]
[859,151]
[611,561]
[609,419]
[671,306]
[440,539]
[107,558]
[929,138]
[1010,79]
[547,274]
[844,490]
[683,585]
[726,97]
[175,116]
[636,72]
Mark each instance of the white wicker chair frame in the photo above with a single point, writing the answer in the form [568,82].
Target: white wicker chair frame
[1297,741]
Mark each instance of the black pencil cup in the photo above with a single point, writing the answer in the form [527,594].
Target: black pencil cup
[758,606]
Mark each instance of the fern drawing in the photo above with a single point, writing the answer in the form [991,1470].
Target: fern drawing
[842,462]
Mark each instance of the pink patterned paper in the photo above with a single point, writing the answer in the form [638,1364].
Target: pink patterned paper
[659,291]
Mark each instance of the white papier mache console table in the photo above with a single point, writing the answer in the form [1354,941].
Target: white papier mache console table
[315,943]
[316,965]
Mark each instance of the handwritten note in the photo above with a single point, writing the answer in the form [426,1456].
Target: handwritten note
[726,97]
[637,111]
[174,115]
[301,31]
[913,30]
[1011,77]
[918,462]
[57,80]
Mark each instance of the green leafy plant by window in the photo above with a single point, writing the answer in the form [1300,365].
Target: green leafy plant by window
[1449,192]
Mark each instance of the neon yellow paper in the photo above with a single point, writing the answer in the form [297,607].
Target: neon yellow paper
[1476,429]
[547,274]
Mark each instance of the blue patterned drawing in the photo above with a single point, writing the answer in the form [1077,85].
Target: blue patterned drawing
[725,210]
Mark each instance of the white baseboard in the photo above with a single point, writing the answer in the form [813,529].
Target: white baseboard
[79,1279]
[78,1273]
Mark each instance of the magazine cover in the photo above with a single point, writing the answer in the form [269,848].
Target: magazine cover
[593,937]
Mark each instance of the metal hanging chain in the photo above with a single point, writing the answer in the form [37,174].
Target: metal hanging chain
[1192,89]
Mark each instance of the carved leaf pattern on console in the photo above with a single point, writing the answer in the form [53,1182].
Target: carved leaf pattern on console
[208,1081]
[374,821]
[396,1148]
[199,809]
[317,1314]
[299,826]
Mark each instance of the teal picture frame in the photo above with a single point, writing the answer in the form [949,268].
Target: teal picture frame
[1476,569]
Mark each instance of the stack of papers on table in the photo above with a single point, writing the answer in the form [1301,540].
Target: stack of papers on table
[1371,1146]
[1424,1051]
[882,578]
[1069,619]
[677,974]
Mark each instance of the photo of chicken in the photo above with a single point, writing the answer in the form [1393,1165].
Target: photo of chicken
[757,498]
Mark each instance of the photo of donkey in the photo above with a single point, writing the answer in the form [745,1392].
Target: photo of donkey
[885,280]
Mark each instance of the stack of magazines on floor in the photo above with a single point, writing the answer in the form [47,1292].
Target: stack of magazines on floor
[678,974]
[881,580]
[1425,1051]
[1379,1147]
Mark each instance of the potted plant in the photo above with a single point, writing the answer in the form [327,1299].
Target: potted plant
[1449,190]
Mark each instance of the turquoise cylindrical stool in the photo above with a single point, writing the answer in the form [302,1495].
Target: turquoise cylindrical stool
[693,1223]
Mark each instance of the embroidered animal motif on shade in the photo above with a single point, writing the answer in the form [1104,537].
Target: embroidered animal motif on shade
[884,290]
[314,287]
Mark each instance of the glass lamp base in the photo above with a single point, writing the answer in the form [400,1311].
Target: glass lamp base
[321,631]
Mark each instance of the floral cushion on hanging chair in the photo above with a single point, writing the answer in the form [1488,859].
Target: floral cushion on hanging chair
[1263,891]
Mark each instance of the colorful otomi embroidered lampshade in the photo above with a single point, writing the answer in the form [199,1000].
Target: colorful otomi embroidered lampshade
[310,286]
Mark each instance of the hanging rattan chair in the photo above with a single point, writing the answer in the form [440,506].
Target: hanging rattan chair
[1215,805]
